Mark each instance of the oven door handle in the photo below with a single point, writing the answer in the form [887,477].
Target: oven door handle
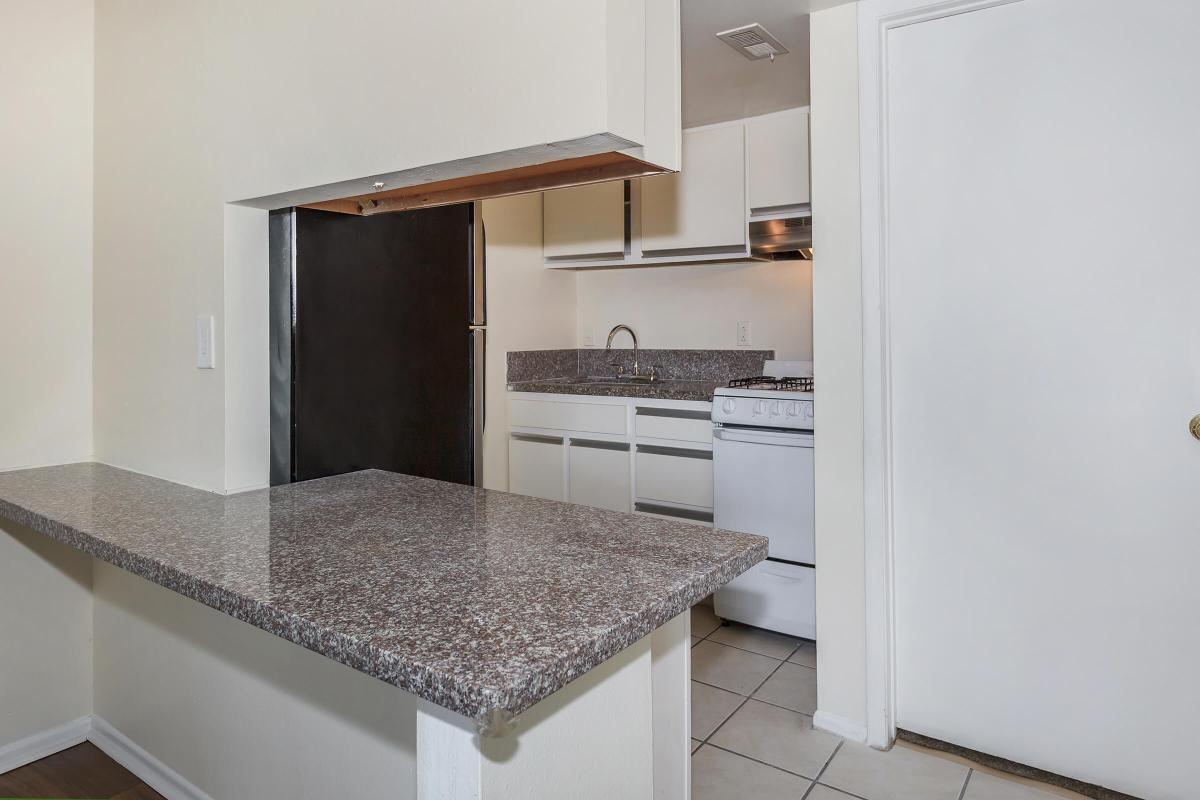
[778,439]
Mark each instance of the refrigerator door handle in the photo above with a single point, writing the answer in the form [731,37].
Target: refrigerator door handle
[478,408]
[478,266]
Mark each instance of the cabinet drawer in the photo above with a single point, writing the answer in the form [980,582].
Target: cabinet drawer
[599,474]
[704,518]
[671,423]
[535,466]
[586,417]
[675,475]
[773,595]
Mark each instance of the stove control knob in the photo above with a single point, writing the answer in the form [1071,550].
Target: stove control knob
[793,409]
[729,406]
[775,408]
[808,411]
[760,407]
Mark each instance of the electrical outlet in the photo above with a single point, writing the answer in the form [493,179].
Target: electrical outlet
[743,334]
[587,336]
[205,343]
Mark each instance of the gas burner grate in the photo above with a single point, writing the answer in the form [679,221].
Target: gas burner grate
[780,384]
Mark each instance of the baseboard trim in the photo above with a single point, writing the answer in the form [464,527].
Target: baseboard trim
[45,743]
[832,723]
[153,772]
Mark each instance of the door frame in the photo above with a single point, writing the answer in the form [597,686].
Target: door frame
[876,19]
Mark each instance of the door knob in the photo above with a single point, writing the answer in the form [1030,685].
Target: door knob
[1194,426]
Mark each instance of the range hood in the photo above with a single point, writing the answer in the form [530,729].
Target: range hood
[783,239]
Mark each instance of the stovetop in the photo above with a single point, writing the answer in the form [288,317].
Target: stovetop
[770,384]
[765,401]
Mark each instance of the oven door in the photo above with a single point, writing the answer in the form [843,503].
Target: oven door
[763,483]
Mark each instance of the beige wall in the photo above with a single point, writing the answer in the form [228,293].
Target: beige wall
[529,308]
[241,713]
[837,339]
[199,105]
[46,106]
[699,306]
[45,634]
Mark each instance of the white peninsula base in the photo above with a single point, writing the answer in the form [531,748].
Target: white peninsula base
[203,707]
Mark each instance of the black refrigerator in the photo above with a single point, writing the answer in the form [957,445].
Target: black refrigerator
[377,343]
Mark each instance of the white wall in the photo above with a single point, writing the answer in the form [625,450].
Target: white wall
[46,633]
[699,306]
[200,105]
[46,236]
[529,307]
[239,712]
[837,335]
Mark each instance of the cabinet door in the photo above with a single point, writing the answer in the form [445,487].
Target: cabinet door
[675,475]
[778,145]
[599,474]
[584,221]
[702,207]
[535,466]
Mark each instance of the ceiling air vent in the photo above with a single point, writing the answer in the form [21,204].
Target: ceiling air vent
[753,42]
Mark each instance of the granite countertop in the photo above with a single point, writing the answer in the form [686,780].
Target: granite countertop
[482,602]
[666,389]
[684,374]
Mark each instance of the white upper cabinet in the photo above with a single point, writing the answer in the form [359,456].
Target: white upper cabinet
[703,207]
[584,221]
[778,145]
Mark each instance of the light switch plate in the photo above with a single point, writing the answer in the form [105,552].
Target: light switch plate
[743,334]
[587,336]
[205,343]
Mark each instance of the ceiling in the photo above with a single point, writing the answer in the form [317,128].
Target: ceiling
[719,83]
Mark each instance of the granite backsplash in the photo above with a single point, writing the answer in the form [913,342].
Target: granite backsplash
[706,365]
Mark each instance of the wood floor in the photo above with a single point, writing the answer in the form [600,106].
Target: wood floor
[82,772]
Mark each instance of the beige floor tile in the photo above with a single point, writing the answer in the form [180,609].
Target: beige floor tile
[775,645]
[711,707]
[696,745]
[983,786]
[792,686]
[778,737]
[704,621]
[898,774]
[695,640]
[718,775]
[825,793]
[805,654]
[729,668]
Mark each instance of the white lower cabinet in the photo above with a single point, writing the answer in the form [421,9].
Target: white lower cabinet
[535,466]
[650,457]
[599,474]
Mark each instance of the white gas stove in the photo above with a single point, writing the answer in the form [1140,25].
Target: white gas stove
[763,483]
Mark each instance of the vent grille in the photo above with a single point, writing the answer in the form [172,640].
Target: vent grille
[753,41]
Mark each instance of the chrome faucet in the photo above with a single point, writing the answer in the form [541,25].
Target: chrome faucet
[608,346]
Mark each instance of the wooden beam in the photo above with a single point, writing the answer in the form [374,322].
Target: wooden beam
[520,180]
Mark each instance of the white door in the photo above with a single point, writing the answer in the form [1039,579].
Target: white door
[1042,271]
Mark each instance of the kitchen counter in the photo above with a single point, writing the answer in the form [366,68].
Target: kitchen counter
[481,602]
[666,389]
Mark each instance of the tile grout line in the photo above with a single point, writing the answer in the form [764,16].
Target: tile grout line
[815,781]
[966,781]
[791,652]
[755,699]
[757,761]
[746,699]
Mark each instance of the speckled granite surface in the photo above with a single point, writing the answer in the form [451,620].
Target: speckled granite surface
[659,390]
[482,602]
[685,374]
